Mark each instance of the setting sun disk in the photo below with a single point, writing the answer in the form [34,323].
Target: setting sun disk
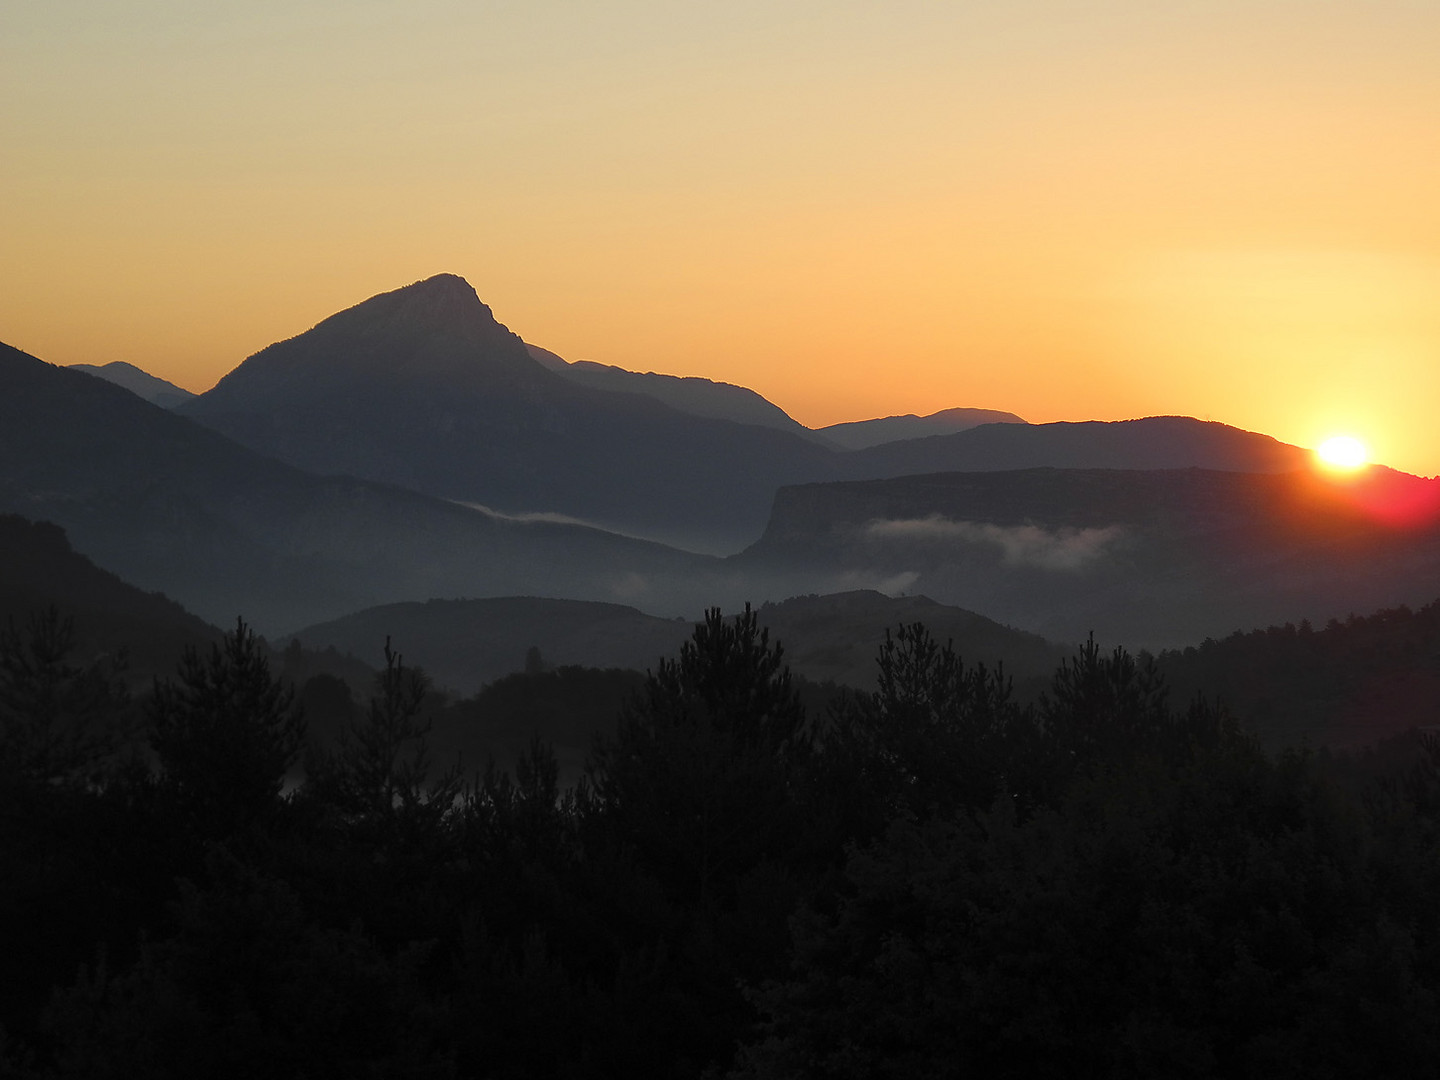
[1343,452]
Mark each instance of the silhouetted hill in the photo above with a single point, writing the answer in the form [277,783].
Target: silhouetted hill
[422,387]
[466,643]
[1154,558]
[111,618]
[860,434]
[1155,442]
[39,568]
[154,390]
[1347,684]
[688,394]
[836,638]
[170,505]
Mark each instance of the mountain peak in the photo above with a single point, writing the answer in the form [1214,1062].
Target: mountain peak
[445,301]
[433,330]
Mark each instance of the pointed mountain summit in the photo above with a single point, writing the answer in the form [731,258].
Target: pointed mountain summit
[422,387]
[437,329]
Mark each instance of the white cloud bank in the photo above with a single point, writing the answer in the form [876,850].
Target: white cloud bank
[1022,545]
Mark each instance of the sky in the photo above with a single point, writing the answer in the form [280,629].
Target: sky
[1063,209]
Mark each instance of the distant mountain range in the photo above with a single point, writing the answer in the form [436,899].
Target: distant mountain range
[861,434]
[153,389]
[422,388]
[412,448]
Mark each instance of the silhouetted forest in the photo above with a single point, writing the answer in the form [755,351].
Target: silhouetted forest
[926,879]
[1344,684]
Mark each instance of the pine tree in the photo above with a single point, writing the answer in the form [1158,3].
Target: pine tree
[226,732]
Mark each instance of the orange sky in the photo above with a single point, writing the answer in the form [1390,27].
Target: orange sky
[1069,210]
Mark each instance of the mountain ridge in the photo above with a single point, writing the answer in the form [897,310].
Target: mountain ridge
[863,434]
[423,388]
[152,388]
[169,504]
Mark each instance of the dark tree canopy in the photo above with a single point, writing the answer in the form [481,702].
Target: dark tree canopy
[933,881]
[226,732]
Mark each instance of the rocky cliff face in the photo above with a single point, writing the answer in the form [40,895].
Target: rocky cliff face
[1150,558]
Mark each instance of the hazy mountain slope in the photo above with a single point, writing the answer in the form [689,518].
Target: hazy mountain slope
[170,505]
[837,637]
[1345,684]
[688,394]
[464,643]
[1155,442]
[1153,558]
[155,390]
[39,568]
[110,617]
[422,387]
[860,434]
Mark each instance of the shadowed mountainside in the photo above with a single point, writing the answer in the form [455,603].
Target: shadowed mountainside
[1145,558]
[688,394]
[170,505]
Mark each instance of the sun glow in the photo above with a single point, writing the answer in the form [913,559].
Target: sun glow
[1342,453]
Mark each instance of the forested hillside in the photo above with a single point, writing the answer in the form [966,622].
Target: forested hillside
[1346,684]
[927,878]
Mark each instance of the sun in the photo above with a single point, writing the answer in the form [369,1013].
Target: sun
[1342,453]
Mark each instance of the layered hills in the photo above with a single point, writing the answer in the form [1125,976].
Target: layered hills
[861,434]
[138,635]
[39,569]
[171,505]
[464,644]
[423,388]
[412,447]
[155,390]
